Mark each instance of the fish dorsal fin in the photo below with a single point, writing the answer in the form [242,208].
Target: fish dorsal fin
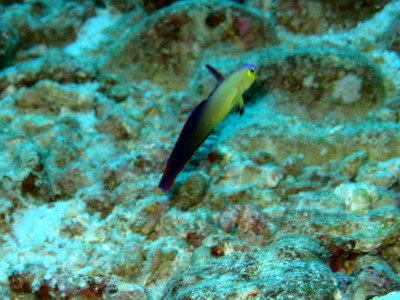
[216,74]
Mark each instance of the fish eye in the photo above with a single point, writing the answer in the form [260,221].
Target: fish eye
[252,72]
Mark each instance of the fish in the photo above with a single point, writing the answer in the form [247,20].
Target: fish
[227,94]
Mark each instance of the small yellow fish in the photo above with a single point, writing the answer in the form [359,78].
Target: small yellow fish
[208,114]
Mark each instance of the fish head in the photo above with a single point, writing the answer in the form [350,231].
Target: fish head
[248,74]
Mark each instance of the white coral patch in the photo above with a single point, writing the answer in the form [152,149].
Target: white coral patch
[347,89]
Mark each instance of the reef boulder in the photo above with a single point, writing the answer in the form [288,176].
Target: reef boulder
[8,43]
[167,43]
[291,268]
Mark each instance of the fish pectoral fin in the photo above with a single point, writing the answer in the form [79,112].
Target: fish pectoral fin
[240,106]
[216,74]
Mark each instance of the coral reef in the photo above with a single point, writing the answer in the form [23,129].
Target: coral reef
[298,198]
[300,260]
[47,22]
[317,17]
[67,286]
[173,37]
[9,40]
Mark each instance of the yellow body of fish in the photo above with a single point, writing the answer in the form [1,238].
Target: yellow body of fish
[208,114]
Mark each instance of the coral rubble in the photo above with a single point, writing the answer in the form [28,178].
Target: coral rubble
[299,198]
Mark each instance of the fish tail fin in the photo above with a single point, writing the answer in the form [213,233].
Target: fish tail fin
[190,139]
[167,181]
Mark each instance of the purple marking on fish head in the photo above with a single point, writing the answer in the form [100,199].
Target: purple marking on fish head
[247,66]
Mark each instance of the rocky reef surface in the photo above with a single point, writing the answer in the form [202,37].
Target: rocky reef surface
[297,199]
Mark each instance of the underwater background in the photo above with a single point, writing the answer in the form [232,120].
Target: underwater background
[298,198]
